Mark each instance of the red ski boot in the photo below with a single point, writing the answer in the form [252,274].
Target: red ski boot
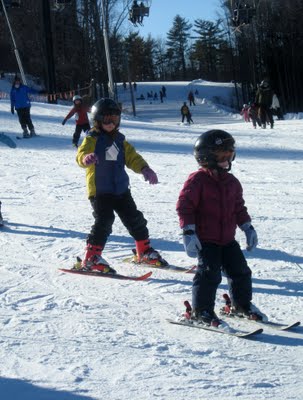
[147,255]
[93,261]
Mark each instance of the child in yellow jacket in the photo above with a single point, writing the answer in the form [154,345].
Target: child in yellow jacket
[104,153]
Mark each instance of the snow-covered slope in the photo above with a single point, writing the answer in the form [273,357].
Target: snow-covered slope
[70,337]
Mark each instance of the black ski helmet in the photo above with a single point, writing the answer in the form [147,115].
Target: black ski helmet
[105,106]
[209,143]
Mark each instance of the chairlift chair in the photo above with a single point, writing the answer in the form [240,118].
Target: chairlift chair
[138,11]
[243,12]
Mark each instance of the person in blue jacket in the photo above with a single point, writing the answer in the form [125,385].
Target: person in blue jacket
[21,103]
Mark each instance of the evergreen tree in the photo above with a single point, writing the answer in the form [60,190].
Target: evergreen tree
[178,44]
[206,50]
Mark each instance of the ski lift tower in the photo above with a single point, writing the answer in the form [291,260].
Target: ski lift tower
[107,53]
[14,4]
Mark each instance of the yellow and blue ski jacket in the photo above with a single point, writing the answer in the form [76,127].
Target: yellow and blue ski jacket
[114,153]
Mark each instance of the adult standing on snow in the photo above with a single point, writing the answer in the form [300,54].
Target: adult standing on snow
[264,97]
[191,98]
[105,153]
[210,207]
[185,112]
[80,110]
[21,103]
[275,106]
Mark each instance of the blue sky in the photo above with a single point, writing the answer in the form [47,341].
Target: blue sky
[162,13]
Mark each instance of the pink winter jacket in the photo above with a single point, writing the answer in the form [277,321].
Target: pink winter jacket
[214,203]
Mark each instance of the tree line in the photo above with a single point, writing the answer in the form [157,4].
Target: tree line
[270,46]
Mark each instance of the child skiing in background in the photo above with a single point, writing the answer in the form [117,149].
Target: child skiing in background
[80,111]
[244,112]
[210,207]
[104,153]
[20,102]
[185,112]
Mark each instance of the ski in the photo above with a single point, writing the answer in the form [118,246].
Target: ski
[271,324]
[233,332]
[186,320]
[7,140]
[278,325]
[225,311]
[168,267]
[101,275]
[27,137]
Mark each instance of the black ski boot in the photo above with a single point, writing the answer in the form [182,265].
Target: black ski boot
[205,317]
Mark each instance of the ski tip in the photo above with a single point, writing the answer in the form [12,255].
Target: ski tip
[253,333]
[192,270]
[145,276]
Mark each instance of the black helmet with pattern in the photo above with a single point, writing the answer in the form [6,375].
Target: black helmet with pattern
[106,111]
[209,144]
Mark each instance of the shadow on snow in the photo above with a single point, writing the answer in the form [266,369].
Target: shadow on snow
[17,389]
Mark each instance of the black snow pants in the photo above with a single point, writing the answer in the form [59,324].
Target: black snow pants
[25,118]
[213,260]
[77,133]
[104,206]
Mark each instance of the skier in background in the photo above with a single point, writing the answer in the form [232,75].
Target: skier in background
[210,207]
[263,99]
[253,115]
[104,153]
[80,111]
[191,98]
[275,106]
[21,103]
[185,112]
[244,112]
[189,118]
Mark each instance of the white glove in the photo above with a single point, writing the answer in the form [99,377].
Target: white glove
[191,241]
[251,236]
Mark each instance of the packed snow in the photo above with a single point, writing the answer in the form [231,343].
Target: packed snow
[72,337]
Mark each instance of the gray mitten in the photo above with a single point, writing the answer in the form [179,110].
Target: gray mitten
[191,241]
[251,236]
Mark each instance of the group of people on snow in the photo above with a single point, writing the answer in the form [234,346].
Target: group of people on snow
[105,153]
[266,104]
[151,95]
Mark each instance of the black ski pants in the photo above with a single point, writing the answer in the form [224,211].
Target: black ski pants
[266,114]
[214,259]
[105,206]
[78,130]
[25,118]
[185,116]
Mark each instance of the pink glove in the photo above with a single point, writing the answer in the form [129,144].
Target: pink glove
[90,158]
[149,175]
